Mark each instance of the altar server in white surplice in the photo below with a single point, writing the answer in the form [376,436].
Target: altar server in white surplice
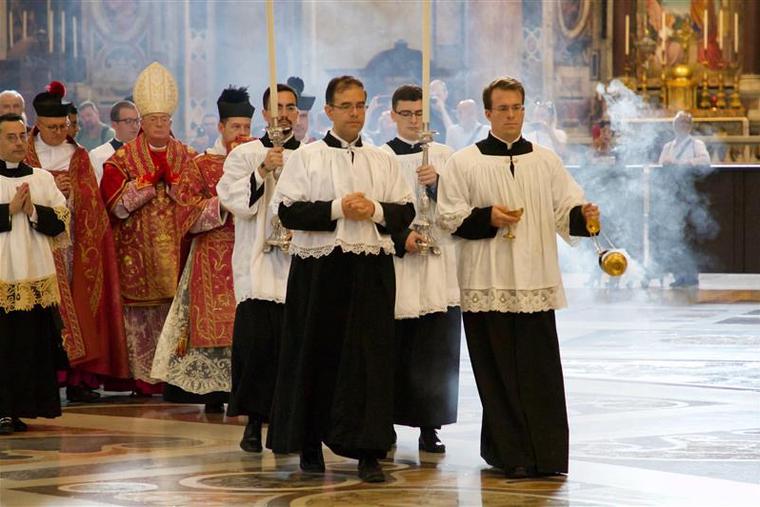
[428,319]
[509,199]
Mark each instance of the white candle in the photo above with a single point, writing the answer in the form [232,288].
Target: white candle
[10,29]
[63,32]
[425,62]
[23,25]
[664,33]
[272,61]
[705,28]
[74,36]
[736,33]
[50,30]
[627,34]
[720,29]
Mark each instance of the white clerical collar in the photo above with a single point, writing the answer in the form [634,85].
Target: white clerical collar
[343,142]
[407,141]
[508,143]
[45,146]
[11,165]
[156,148]
[218,148]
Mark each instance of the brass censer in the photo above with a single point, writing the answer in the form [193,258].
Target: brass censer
[611,260]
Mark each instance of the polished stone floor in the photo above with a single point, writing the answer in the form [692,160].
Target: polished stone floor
[664,403]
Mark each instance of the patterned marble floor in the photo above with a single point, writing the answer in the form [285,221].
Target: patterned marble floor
[664,401]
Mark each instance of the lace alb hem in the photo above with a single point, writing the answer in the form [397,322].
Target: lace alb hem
[26,294]
[450,222]
[386,247]
[427,311]
[512,300]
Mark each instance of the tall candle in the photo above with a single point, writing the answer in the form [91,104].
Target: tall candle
[704,29]
[425,62]
[664,33]
[74,36]
[272,61]
[50,30]
[10,29]
[720,29]
[736,32]
[627,34]
[63,32]
[23,25]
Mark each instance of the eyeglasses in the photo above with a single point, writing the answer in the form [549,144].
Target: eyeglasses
[516,108]
[57,128]
[130,121]
[347,106]
[409,114]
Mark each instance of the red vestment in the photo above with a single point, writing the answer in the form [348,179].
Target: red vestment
[90,308]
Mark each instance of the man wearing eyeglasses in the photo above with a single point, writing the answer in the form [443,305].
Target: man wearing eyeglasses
[156,196]
[508,199]
[428,320]
[261,272]
[342,200]
[89,283]
[125,121]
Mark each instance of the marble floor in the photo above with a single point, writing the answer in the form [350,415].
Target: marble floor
[664,401]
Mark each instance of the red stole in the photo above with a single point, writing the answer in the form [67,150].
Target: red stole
[91,310]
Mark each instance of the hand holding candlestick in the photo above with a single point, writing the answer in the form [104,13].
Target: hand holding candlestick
[426,243]
[280,236]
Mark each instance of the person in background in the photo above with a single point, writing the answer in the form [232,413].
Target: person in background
[93,132]
[125,121]
[542,128]
[469,130]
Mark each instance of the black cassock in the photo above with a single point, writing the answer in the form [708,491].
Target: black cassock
[335,381]
[31,348]
[516,362]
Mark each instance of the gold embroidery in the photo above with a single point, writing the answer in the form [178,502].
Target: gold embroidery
[63,240]
[26,294]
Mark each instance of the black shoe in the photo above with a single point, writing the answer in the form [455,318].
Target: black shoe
[214,408]
[370,470]
[18,425]
[520,472]
[429,441]
[6,426]
[251,441]
[312,460]
[80,394]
